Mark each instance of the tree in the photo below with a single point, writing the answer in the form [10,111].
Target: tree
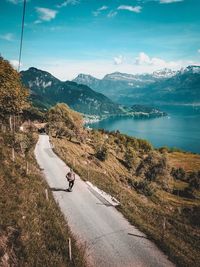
[63,121]
[178,174]
[25,142]
[155,168]
[145,145]
[194,180]
[13,95]
[129,157]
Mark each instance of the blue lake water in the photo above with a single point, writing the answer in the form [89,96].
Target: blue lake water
[180,129]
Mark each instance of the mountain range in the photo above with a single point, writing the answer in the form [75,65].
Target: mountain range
[46,91]
[161,87]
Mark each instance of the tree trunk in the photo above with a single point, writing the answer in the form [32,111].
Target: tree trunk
[27,169]
[10,123]
[14,123]
[13,154]
[3,128]
[22,151]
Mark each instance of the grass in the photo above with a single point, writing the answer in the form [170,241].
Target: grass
[181,240]
[189,162]
[33,232]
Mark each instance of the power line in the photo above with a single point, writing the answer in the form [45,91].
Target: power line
[22,34]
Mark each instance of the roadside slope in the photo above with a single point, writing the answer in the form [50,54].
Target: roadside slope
[33,231]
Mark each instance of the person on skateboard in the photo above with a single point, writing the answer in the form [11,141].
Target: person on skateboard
[71,179]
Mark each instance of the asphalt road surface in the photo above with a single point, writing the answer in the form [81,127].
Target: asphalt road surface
[109,239]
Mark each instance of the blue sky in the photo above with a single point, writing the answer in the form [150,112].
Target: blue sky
[68,37]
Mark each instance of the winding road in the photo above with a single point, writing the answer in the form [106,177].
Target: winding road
[109,239]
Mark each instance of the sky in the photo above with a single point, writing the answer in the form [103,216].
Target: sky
[97,37]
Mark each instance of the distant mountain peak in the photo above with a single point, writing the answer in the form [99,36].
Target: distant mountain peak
[35,70]
[86,79]
[191,69]
[46,91]
[119,76]
[164,73]
[162,86]
[82,75]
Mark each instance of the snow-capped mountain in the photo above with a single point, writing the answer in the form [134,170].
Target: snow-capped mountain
[165,86]
[124,77]
[164,73]
[118,76]
[190,69]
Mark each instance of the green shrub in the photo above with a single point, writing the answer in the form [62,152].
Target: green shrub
[178,174]
[163,149]
[145,145]
[194,180]
[129,158]
[144,187]
[101,152]
[192,214]
[153,166]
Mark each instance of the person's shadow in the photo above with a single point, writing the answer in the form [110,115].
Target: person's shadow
[58,189]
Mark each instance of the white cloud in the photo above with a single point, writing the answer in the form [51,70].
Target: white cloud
[112,14]
[37,21]
[170,1]
[69,69]
[15,63]
[145,60]
[99,10]
[8,37]
[68,2]
[142,59]
[46,14]
[136,9]
[15,1]
[198,50]
[103,8]
[118,60]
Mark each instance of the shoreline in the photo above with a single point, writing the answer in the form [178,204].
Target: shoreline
[91,119]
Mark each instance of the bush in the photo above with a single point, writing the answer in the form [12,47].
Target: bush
[144,187]
[163,149]
[153,166]
[61,118]
[194,180]
[144,145]
[101,152]
[178,174]
[129,158]
[193,215]
[186,193]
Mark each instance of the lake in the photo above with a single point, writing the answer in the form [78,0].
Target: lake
[181,128]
